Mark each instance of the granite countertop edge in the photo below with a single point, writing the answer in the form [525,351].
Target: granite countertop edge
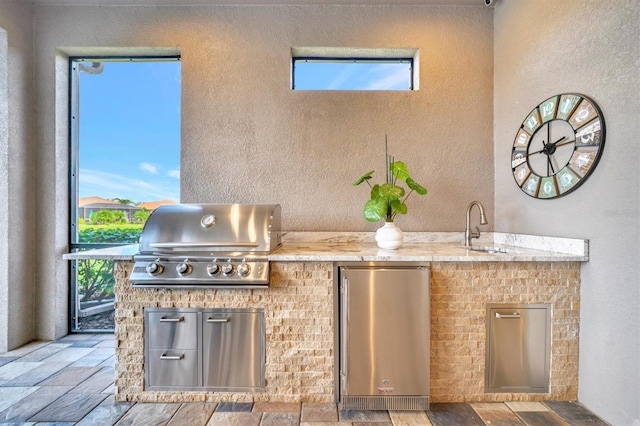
[418,247]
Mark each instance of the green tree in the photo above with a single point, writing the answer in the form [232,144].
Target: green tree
[141,216]
[119,217]
[102,217]
[123,201]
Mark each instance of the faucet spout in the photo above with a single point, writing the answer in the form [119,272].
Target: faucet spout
[468,233]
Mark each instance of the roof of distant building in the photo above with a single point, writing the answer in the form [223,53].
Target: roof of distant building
[152,205]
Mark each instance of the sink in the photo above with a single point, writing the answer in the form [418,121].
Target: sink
[491,249]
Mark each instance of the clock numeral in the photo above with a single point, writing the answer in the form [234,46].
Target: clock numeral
[582,160]
[530,186]
[567,105]
[517,158]
[533,121]
[521,173]
[566,179]
[548,109]
[522,139]
[548,187]
[583,114]
[589,135]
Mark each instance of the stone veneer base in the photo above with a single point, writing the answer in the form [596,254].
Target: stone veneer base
[300,329]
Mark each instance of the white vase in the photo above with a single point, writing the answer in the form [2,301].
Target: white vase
[389,236]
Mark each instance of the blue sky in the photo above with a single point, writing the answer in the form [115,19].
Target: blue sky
[130,131]
[360,75]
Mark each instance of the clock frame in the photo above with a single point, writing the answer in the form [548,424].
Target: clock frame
[558,146]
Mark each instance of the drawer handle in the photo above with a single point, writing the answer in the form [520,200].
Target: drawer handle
[513,315]
[227,319]
[165,319]
[171,358]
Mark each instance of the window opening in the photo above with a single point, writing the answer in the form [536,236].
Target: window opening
[311,73]
[124,162]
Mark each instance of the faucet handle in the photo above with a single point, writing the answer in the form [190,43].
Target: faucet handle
[476,233]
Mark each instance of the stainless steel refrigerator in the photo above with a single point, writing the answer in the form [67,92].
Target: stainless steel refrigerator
[384,336]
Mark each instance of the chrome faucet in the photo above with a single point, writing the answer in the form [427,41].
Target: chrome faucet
[468,233]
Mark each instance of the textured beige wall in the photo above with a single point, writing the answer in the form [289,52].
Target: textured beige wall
[545,47]
[247,137]
[17,165]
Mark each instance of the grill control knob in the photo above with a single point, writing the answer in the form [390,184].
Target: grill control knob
[154,268]
[227,268]
[243,269]
[183,268]
[213,268]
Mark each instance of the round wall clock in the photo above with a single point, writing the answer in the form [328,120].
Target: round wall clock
[558,146]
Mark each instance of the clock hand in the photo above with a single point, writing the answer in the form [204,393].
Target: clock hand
[558,141]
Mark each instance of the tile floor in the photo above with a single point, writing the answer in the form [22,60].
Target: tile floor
[70,382]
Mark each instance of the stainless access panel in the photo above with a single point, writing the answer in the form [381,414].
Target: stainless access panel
[173,368]
[233,349]
[385,336]
[518,348]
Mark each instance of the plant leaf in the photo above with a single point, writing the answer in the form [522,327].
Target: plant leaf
[416,186]
[400,170]
[391,192]
[399,207]
[364,177]
[375,209]
[375,192]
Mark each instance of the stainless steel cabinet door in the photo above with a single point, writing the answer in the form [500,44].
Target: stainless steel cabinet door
[518,348]
[385,331]
[233,350]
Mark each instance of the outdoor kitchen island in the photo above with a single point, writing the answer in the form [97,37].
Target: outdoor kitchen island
[300,313]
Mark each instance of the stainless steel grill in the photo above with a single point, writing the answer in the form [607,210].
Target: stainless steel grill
[207,246]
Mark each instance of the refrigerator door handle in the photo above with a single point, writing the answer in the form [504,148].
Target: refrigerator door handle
[343,335]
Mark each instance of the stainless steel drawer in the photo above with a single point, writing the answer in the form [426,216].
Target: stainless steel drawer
[173,368]
[233,350]
[172,329]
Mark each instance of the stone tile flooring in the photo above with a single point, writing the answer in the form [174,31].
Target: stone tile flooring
[70,382]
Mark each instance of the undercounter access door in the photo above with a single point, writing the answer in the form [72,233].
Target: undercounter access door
[385,337]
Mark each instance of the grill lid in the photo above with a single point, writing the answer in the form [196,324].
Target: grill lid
[193,228]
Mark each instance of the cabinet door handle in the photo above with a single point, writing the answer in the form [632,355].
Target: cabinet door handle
[513,315]
[227,319]
[165,319]
[171,358]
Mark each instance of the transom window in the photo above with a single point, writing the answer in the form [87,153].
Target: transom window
[354,69]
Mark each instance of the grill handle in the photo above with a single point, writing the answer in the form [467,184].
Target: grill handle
[181,245]
[227,319]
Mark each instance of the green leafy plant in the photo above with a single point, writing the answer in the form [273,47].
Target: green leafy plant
[389,199]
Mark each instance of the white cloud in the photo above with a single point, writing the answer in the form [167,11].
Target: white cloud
[174,173]
[148,167]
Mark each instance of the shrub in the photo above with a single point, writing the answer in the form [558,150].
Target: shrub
[109,235]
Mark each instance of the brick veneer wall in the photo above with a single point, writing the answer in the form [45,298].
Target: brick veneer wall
[459,295]
[299,313]
[300,322]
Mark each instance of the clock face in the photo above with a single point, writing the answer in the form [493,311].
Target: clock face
[558,145]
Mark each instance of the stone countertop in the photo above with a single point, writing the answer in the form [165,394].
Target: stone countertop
[418,247]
